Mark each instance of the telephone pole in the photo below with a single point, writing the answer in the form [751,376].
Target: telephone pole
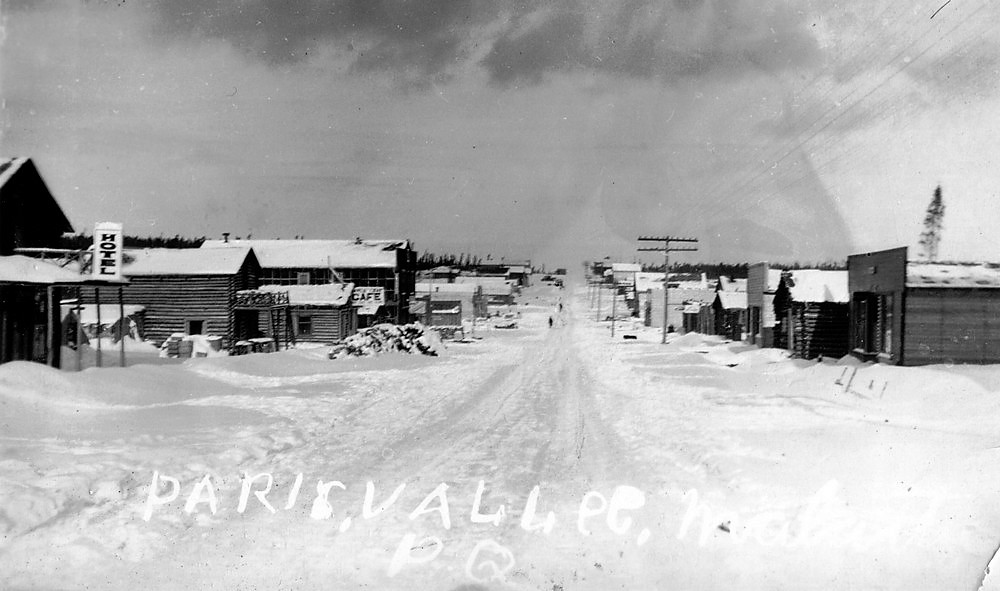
[666,250]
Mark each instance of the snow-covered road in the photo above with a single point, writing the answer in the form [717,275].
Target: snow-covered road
[533,458]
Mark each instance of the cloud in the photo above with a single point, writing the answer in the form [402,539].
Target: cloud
[664,40]
[513,41]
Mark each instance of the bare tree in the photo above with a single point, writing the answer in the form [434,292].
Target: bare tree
[930,238]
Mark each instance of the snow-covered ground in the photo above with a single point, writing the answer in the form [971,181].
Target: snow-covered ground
[529,458]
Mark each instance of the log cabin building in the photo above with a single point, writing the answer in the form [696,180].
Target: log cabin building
[383,272]
[811,313]
[905,312]
[316,313]
[189,291]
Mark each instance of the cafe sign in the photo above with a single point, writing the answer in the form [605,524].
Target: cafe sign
[368,299]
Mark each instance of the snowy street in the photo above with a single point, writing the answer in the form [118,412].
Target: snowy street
[701,464]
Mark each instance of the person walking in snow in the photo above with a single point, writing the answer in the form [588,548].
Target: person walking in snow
[550,322]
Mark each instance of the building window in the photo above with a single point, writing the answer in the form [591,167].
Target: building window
[302,278]
[303,325]
[195,326]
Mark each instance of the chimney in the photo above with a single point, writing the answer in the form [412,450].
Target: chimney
[225,237]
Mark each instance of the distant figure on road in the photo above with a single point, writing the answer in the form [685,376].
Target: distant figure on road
[550,322]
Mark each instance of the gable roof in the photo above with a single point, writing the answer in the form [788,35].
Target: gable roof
[626,267]
[732,300]
[185,261]
[817,286]
[49,208]
[318,254]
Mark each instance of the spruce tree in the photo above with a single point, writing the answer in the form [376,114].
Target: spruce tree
[930,238]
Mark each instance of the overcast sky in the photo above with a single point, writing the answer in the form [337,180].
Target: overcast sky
[556,130]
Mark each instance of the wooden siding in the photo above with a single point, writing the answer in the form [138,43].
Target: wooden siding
[756,284]
[329,325]
[952,326]
[877,272]
[818,329]
[883,274]
[170,301]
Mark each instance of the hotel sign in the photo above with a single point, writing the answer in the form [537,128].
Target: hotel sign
[107,261]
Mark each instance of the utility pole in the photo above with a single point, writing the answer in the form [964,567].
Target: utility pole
[614,309]
[666,250]
[599,290]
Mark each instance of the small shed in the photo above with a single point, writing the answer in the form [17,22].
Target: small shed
[917,313]
[318,313]
[471,295]
[812,313]
[443,313]
[729,311]
[762,283]
[521,274]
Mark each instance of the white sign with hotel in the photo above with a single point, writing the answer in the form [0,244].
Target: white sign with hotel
[107,262]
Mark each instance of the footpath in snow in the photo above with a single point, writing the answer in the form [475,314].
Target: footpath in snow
[529,458]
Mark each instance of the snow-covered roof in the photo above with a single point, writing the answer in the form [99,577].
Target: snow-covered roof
[773,279]
[732,300]
[184,261]
[727,284]
[517,270]
[702,294]
[9,167]
[315,254]
[815,285]
[331,294]
[626,267]
[26,270]
[646,280]
[448,288]
[692,308]
[484,280]
[965,275]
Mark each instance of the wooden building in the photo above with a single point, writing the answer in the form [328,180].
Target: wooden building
[444,313]
[383,272]
[30,315]
[729,310]
[188,290]
[498,291]
[470,295]
[316,313]
[31,289]
[812,313]
[912,313]
[762,283]
[29,214]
